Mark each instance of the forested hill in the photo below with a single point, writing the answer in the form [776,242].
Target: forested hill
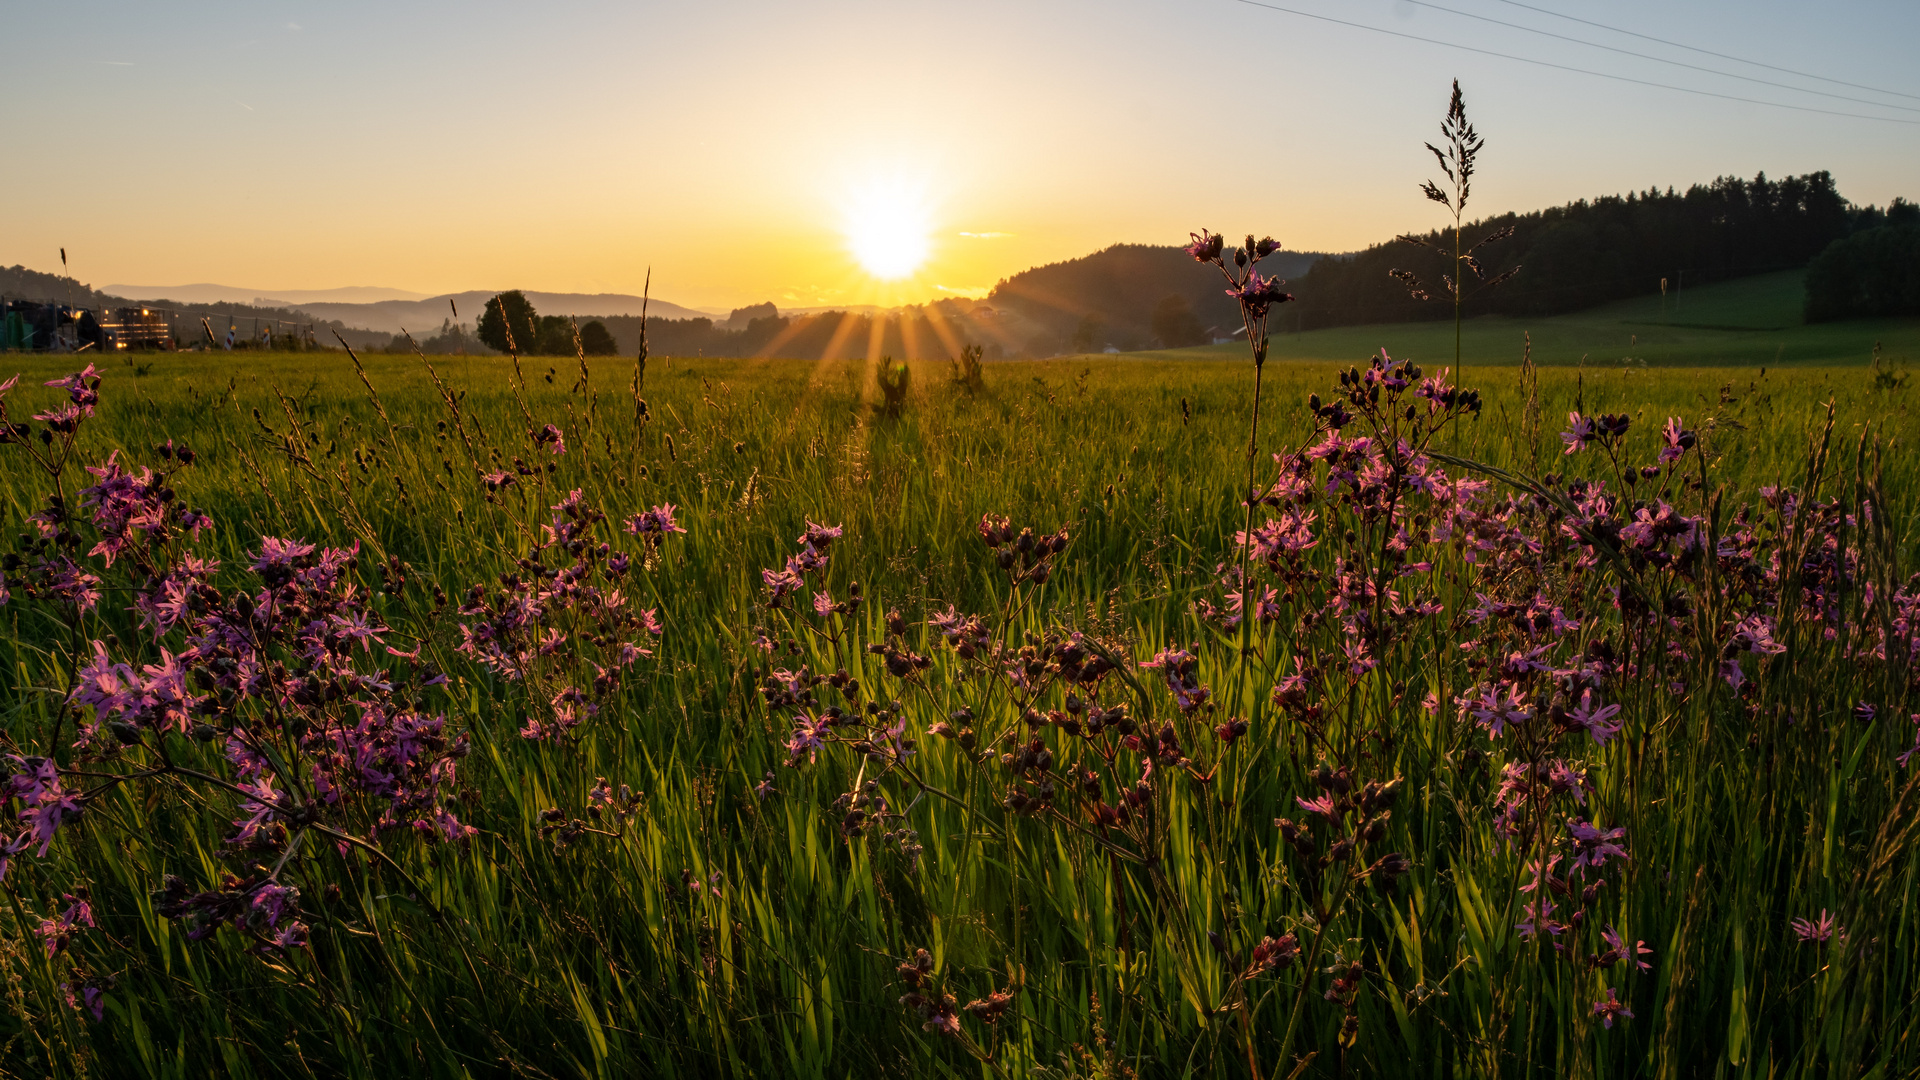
[1574,256]
[20,283]
[1116,291]
[1591,252]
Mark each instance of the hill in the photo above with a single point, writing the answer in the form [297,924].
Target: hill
[391,316]
[20,283]
[209,293]
[363,324]
[1591,252]
[1754,320]
[1571,257]
[1114,293]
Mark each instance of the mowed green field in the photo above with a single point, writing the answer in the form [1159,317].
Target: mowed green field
[1750,322]
[509,956]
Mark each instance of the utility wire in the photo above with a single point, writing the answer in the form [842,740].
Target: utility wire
[1710,52]
[1660,59]
[1576,70]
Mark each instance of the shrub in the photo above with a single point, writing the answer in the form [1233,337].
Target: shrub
[596,340]
[968,373]
[1871,274]
[894,380]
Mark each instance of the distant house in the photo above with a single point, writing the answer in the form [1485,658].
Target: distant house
[135,328]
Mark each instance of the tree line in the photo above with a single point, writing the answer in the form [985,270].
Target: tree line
[1575,256]
[936,331]
[1875,273]
[1592,251]
[510,324]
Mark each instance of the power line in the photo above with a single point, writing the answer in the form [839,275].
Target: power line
[1659,59]
[1576,70]
[1710,52]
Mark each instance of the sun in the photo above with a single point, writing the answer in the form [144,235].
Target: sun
[888,228]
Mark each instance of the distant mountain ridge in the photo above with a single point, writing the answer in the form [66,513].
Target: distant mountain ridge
[392,316]
[419,316]
[209,293]
[19,283]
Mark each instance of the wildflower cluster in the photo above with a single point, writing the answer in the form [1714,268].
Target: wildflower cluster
[79,989]
[133,515]
[277,686]
[1369,477]
[1546,621]
[815,544]
[1343,823]
[1255,293]
[317,729]
[259,908]
[562,623]
[927,999]
[271,687]
[606,813]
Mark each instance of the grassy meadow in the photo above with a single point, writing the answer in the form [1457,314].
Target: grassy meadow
[706,928]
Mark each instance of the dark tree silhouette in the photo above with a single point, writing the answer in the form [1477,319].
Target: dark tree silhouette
[1590,252]
[555,337]
[1870,274]
[597,340]
[509,324]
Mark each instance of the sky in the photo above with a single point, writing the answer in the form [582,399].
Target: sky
[857,151]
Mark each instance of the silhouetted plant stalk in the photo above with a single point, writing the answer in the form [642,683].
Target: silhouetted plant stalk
[1456,160]
[640,411]
[968,373]
[895,379]
[1256,296]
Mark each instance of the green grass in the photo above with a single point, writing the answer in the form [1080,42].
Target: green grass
[595,961]
[1749,322]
